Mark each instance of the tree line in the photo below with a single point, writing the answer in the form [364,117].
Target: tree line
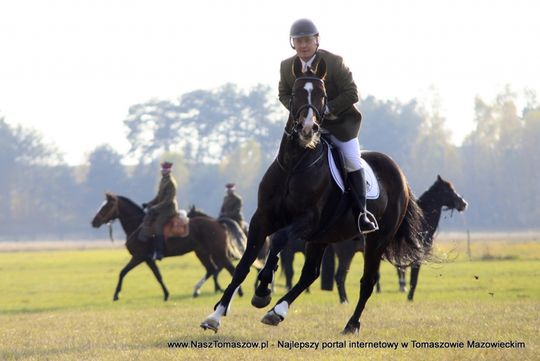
[231,135]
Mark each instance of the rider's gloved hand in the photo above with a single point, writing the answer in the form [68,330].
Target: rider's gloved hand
[328,114]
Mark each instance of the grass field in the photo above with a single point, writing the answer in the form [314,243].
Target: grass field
[57,305]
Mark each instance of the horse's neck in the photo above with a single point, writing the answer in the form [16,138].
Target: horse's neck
[292,156]
[129,219]
[432,209]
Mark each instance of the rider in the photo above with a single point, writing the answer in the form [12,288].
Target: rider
[232,206]
[160,210]
[341,118]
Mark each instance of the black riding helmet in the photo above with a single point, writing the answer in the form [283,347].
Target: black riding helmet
[301,28]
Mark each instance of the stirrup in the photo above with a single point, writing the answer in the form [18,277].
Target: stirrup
[371,217]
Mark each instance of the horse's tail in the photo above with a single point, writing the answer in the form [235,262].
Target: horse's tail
[408,246]
[236,239]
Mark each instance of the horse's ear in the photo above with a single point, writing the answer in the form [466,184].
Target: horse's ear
[297,67]
[109,196]
[321,69]
[439,178]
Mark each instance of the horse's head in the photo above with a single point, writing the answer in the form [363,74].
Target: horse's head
[308,103]
[107,212]
[195,212]
[448,195]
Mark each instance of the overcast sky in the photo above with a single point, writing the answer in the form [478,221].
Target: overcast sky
[72,68]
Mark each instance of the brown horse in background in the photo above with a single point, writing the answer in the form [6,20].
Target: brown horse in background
[298,199]
[211,241]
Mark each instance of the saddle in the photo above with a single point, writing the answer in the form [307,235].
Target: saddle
[177,226]
[339,173]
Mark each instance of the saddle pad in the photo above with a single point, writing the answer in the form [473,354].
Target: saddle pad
[177,226]
[372,186]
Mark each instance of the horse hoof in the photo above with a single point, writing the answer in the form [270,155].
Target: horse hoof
[260,302]
[210,324]
[166,297]
[344,302]
[410,297]
[115,298]
[196,294]
[351,329]
[402,289]
[272,318]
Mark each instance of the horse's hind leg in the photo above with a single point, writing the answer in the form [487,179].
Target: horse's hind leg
[310,272]
[344,263]
[401,278]
[415,270]
[152,264]
[211,270]
[133,262]
[372,261]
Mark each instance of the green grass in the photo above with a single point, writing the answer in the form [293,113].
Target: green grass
[57,305]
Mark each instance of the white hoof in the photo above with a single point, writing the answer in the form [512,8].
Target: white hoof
[210,324]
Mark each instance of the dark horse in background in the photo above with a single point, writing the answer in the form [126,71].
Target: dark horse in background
[210,240]
[298,199]
[195,212]
[440,196]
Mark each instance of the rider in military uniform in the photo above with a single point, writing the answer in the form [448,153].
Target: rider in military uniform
[159,211]
[232,206]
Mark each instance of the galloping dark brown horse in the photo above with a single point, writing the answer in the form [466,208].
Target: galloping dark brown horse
[298,199]
[210,240]
[440,196]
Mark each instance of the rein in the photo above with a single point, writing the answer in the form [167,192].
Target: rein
[110,223]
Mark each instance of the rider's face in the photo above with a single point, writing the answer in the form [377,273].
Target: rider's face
[306,46]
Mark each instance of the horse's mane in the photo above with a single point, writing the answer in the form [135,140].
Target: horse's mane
[131,203]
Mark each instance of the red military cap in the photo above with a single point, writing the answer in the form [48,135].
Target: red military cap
[166,165]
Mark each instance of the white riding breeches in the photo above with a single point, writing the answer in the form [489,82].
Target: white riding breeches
[351,153]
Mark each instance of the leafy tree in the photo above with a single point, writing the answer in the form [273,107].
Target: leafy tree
[205,124]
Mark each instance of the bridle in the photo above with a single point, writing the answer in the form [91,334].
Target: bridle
[296,113]
[110,215]
[109,218]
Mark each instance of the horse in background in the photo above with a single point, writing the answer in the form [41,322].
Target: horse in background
[297,199]
[261,257]
[440,196]
[211,241]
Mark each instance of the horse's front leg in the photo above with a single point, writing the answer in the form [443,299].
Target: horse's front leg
[155,270]
[263,293]
[258,231]
[310,272]
[133,262]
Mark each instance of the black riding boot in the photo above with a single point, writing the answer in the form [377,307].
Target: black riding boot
[357,183]
[159,247]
